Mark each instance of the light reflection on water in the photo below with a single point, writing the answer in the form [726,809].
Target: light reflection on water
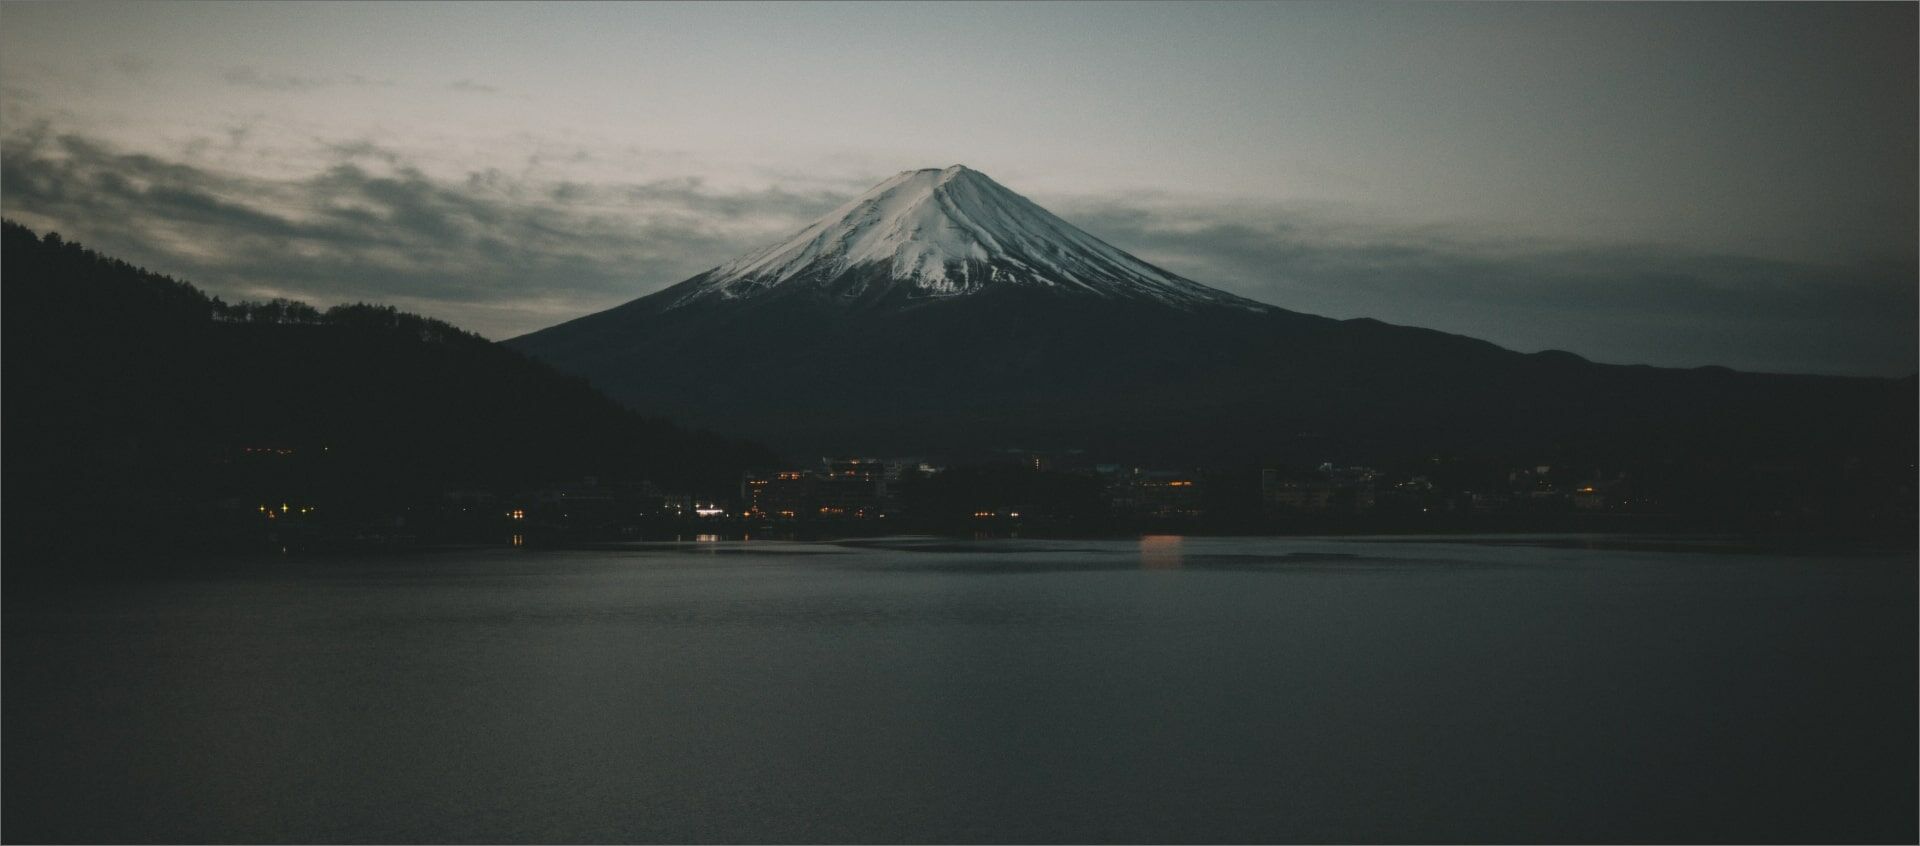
[1161,552]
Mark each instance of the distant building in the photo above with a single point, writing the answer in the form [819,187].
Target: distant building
[1278,494]
[579,505]
[840,488]
[849,488]
[1490,501]
[1329,489]
[781,495]
[675,505]
[1602,494]
[1156,493]
[1537,489]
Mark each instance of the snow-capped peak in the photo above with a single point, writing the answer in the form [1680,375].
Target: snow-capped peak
[943,233]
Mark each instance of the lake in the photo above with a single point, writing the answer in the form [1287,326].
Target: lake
[915,689]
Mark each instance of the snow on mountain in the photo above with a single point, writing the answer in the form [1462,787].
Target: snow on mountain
[946,233]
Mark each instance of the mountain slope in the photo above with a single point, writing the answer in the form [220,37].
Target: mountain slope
[941,313]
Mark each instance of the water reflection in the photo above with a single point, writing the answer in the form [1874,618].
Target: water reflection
[1161,552]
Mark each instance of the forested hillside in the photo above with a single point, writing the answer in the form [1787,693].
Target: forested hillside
[139,408]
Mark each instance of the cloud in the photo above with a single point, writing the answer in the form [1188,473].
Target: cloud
[248,76]
[507,252]
[1625,303]
[490,252]
[472,87]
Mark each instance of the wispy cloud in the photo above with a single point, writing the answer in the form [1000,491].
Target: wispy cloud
[471,87]
[1627,303]
[248,76]
[489,252]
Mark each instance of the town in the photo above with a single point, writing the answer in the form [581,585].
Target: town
[1066,493]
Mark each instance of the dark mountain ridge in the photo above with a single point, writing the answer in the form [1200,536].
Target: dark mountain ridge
[135,403]
[855,336]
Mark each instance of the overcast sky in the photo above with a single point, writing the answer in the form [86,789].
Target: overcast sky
[1638,183]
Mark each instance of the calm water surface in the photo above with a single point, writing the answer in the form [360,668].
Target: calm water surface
[1157,690]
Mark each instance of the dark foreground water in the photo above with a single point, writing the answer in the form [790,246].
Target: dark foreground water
[923,690]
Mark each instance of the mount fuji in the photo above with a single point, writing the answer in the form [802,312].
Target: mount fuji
[942,313]
[931,234]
